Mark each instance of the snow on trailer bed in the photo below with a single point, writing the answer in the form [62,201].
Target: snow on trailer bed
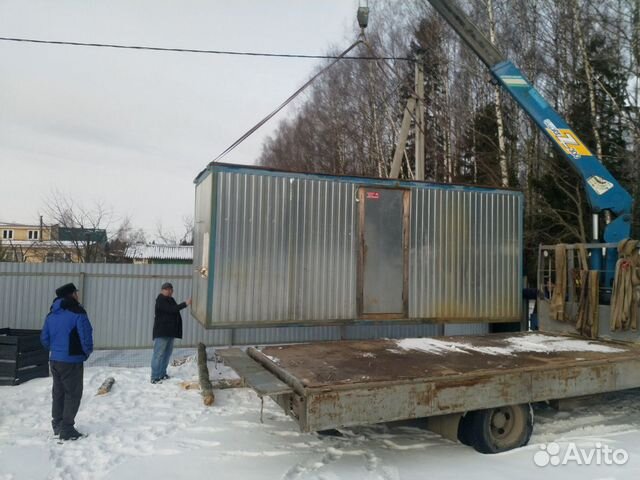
[327,385]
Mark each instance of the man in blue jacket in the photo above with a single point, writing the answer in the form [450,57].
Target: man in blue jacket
[68,335]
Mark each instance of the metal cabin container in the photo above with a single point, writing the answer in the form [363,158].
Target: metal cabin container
[281,248]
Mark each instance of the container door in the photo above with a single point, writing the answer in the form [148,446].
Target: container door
[382,269]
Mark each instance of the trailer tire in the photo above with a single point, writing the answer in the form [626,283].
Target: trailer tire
[500,429]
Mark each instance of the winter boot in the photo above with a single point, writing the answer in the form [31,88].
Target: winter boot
[70,433]
[56,424]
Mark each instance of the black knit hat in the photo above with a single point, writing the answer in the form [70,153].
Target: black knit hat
[166,286]
[65,290]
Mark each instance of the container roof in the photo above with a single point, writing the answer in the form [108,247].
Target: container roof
[393,182]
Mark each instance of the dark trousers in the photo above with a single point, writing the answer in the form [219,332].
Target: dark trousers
[66,393]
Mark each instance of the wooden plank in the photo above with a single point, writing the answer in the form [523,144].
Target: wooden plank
[30,373]
[24,338]
[8,352]
[8,369]
[16,332]
[254,374]
[29,343]
[8,340]
[34,357]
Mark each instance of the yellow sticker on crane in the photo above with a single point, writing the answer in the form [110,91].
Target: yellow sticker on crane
[569,142]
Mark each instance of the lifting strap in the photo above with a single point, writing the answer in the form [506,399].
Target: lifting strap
[626,287]
[559,291]
[588,318]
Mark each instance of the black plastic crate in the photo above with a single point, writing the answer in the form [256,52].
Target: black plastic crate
[22,356]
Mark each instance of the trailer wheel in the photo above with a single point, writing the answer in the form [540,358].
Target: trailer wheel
[500,429]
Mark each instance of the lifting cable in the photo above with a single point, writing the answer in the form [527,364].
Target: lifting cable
[249,132]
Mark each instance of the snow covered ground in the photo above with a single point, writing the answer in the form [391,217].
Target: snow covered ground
[141,431]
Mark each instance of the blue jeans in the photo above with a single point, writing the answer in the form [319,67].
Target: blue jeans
[162,349]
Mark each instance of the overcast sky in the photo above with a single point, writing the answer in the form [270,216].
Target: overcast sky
[132,129]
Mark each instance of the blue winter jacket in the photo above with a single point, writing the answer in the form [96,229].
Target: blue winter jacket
[67,332]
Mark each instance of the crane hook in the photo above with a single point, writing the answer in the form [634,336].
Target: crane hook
[363,17]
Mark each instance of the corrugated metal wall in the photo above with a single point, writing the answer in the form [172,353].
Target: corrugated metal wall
[120,299]
[285,249]
[465,254]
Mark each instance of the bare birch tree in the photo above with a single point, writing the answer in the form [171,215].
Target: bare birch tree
[79,229]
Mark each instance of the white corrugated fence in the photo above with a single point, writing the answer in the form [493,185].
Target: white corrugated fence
[120,298]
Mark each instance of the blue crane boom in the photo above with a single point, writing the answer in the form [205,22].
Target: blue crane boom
[605,195]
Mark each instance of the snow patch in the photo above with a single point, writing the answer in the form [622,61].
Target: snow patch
[529,343]
[275,360]
[432,345]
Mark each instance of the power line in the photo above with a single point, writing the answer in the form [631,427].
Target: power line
[335,58]
[196,50]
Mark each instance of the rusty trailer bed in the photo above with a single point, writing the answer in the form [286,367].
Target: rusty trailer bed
[343,383]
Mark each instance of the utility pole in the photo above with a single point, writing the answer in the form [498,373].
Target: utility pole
[419,119]
[415,110]
[402,137]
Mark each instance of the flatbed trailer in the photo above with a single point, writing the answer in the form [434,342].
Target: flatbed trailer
[413,252]
[484,384]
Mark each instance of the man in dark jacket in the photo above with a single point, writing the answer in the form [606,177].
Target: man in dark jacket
[68,335]
[167,326]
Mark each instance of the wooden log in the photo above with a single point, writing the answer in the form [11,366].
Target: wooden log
[190,385]
[203,375]
[106,386]
[225,383]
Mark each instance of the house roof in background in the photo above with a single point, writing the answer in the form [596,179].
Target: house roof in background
[38,243]
[21,225]
[159,252]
